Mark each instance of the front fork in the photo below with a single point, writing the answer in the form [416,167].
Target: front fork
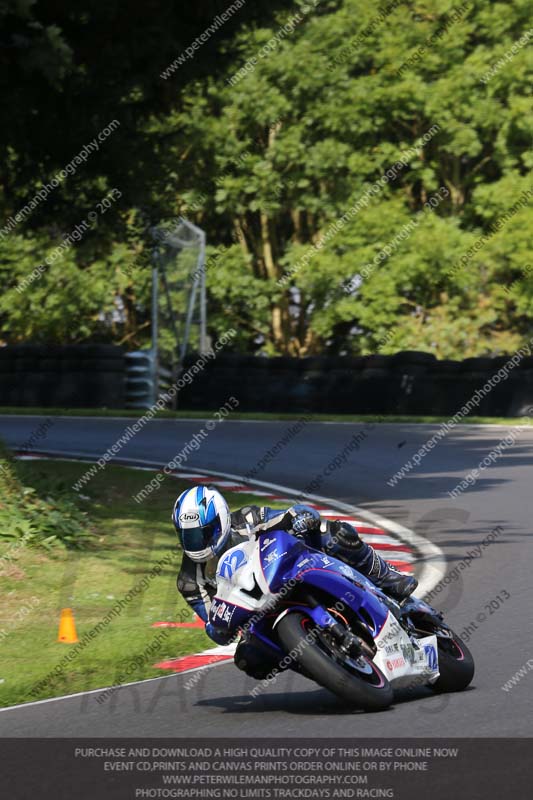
[324,620]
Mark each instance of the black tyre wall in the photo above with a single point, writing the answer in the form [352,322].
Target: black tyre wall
[409,383]
[77,376]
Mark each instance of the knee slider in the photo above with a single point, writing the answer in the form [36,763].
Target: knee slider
[345,536]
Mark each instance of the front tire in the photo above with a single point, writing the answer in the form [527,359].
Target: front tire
[356,680]
[456,665]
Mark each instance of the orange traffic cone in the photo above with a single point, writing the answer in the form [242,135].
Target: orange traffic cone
[67,627]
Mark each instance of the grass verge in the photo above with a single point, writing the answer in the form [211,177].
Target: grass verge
[128,541]
[130,413]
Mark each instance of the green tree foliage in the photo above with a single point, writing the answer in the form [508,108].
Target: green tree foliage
[267,138]
[68,71]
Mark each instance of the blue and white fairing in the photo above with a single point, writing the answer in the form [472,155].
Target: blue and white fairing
[242,590]
[254,577]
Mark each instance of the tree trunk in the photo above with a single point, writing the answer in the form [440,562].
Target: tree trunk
[280,320]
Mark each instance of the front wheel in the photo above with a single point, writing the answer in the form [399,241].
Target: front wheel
[354,678]
[456,665]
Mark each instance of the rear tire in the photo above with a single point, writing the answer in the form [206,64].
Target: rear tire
[456,665]
[366,689]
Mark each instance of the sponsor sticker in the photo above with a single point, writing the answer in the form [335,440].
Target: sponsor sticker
[222,611]
[189,516]
[431,656]
[346,570]
[395,663]
[267,543]
[408,653]
[274,556]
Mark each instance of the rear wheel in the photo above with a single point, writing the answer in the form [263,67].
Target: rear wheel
[456,665]
[354,677]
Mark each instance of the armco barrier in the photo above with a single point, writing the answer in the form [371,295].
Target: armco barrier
[62,376]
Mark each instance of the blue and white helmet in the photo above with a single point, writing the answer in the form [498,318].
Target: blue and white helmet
[202,520]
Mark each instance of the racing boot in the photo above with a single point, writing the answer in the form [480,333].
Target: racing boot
[343,541]
[394,583]
[255,658]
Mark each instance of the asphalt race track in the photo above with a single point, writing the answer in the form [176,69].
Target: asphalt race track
[219,703]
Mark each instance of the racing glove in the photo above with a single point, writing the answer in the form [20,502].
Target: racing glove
[305,524]
[305,520]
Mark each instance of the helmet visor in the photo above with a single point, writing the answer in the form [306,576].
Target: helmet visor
[201,538]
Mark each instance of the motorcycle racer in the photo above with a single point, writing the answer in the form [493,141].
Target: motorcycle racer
[207,529]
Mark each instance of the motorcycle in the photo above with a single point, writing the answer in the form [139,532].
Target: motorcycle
[318,616]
